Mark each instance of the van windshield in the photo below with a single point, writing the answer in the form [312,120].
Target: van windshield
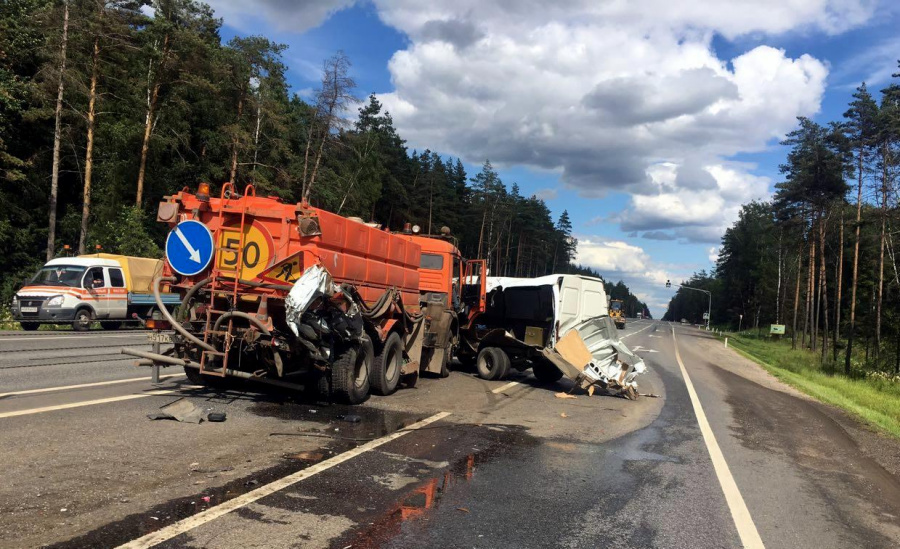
[59,275]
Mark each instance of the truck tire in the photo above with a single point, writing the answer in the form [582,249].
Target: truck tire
[387,365]
[492,363]
[30,326]
[350,373]
[546,372]
[194,376]
[83,320]
[110,325]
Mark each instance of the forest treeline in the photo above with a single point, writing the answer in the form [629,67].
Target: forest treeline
[106,106]
[821,256]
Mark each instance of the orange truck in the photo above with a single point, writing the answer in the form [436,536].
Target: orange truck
[299,297]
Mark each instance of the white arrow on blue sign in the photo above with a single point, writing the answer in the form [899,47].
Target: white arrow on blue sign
[189,248]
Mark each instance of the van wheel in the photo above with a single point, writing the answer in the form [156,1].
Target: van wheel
[110,325]
[387,365]
[492,363]
[82,322]
[545,372]
[350,373]
[30,326]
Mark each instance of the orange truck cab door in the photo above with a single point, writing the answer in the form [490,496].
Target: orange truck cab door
[474,286]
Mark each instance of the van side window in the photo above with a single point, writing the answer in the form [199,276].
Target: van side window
[116,279]
[93,278]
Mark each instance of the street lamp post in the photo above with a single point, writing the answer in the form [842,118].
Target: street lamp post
[707,292]
[740,322]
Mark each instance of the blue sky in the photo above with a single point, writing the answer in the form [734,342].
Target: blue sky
[483,59]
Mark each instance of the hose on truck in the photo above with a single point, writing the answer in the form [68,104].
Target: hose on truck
[175,324]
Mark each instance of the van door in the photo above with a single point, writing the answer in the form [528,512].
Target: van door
[569,310]
[95,291]
[118,293]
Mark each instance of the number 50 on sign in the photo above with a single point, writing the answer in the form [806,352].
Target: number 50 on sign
[257,252]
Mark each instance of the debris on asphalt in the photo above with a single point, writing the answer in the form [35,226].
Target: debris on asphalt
[463,509]
[205,499]
[181,410]
[349,418]
[564,395]
[216,417]
[591,391]
[563,415]
[651,395]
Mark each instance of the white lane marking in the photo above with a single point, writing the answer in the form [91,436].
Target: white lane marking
[85,337]
[84,385]
[54,408]
[739,512]
[509,385]
[213,513]
[637,332]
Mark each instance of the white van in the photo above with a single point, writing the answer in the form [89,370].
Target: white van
[105,287]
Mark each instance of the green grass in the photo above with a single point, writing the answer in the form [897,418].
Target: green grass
[874,400]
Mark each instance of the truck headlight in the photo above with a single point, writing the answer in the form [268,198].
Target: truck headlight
[55,301]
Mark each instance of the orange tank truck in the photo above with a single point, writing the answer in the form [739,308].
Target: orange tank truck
[357,320]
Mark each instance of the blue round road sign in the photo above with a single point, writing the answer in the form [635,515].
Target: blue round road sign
[189,248]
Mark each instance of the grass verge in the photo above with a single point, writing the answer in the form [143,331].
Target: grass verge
[874,401]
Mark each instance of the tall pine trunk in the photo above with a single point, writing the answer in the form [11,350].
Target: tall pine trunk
[89,155]
[853,284]
[823,285]
[879,299]
[839,278]
[797,298]
[817,295]
[153,86]
[234,143]
[57,131]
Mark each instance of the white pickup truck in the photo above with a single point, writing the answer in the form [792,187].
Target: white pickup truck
[101,287]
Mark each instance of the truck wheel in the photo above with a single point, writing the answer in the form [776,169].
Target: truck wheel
[83,319]
[110,325]
[194,376]
[30,326]
[350,373]
[387,365]
[546,373]
[492,363]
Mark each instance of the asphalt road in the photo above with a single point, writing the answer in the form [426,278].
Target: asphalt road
[726,456]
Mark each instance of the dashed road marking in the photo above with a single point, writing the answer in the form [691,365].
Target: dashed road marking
[509,385]
[85,385]
[56,407]
[637,332]
[213,513]
[739,512]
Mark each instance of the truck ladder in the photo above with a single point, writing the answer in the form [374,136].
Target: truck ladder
[216,274]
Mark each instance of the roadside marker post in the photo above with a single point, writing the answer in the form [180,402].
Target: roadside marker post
[726,342]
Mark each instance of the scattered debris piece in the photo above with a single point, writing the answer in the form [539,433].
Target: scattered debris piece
[306,456]
[252,482]
[181,410]
[349,418]
[591,391]
[63,510]
[155,518]
[564,395]
[195,464]
[563,415]
[205,499]
[216,417]
[651,395]
[463,509]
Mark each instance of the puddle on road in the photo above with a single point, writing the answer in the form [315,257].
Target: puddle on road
[334,423]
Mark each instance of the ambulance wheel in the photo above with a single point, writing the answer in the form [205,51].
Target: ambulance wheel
[30,326]
[350,373]
[83,319]
[387,365]
[492,363]
[546,372]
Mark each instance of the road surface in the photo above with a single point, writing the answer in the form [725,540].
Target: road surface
[726,456]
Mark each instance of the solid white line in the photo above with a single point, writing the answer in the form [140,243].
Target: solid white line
[84,385]
[87,337]
[54,408]
[509,385]
[213,513]
[739,512]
